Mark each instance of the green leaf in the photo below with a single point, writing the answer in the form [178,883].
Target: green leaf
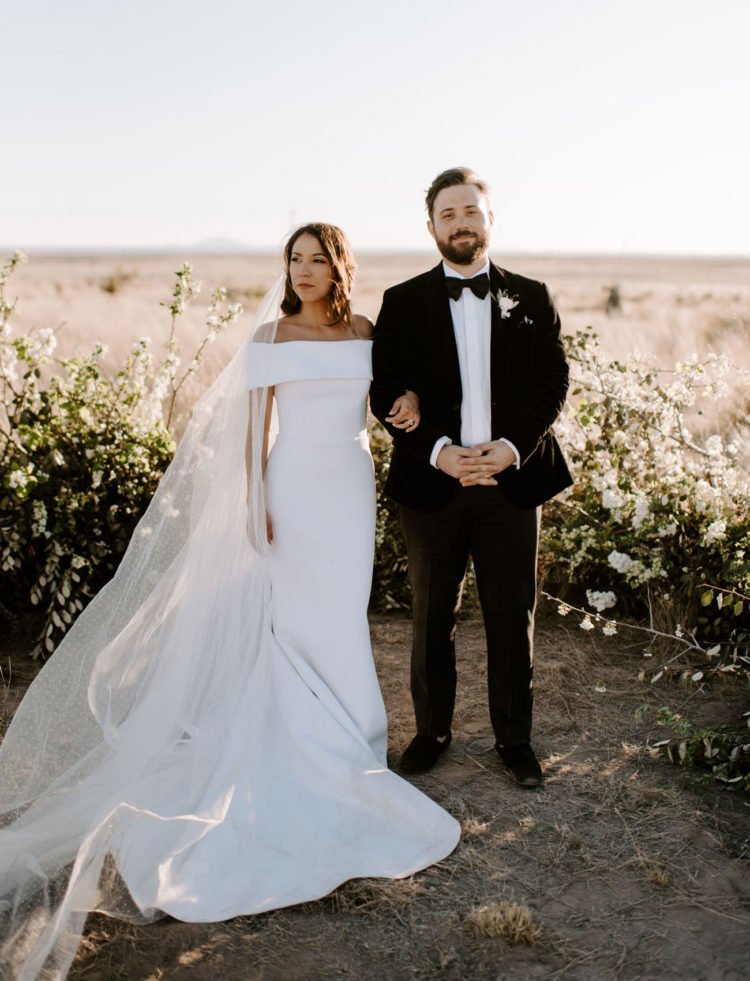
[707,597]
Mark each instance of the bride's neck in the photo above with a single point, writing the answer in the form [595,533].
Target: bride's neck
[317,314]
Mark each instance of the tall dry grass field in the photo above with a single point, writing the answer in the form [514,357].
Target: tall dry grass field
[670,307]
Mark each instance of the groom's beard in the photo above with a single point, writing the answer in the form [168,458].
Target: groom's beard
[463,251]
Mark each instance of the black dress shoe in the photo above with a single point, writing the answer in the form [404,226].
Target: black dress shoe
[522,763]
[422,752]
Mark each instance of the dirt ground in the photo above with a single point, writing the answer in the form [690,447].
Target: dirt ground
[620,869]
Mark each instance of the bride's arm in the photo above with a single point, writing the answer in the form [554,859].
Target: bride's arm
[404,412]
[253,408]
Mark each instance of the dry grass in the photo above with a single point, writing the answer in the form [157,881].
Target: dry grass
[671,308]
[514,922]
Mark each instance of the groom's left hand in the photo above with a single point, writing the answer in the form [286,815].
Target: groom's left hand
[496,457]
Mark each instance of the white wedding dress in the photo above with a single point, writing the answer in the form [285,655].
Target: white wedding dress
[309,801]
[236,768]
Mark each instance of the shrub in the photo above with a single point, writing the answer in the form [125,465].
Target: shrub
[656,512]
[80,457]
[390,586]
[657,526]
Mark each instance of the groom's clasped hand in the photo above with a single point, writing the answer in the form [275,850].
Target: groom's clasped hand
[476,465]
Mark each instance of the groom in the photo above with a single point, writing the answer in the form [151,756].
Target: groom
[481,347]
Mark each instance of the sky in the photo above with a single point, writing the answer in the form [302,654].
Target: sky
[615,126]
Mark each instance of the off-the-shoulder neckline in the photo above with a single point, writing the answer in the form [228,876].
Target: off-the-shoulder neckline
[347,340]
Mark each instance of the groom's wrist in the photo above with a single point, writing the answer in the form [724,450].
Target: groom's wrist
[516,454]
[443,441]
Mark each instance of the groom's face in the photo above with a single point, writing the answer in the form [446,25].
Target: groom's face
[460,224]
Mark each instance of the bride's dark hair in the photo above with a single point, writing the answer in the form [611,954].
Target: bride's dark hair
[339,253]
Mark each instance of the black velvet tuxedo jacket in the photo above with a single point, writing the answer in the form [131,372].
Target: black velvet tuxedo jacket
[415,348]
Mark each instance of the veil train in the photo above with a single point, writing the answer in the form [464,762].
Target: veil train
[120,723]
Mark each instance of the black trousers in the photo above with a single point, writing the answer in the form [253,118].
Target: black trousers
[501,538]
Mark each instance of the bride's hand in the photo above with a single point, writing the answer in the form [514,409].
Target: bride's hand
[404,413]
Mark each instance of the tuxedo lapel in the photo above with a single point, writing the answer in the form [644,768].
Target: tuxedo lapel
[441,331]
[501,336]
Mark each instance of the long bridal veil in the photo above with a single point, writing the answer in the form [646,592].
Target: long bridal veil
[121,723]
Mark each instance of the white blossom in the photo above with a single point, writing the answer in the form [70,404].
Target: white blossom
[17,479]
[587,623]
[43,344]
[640,512]
[39,519]
[667,531]
[600,601]
[715,532]
[714,445]
[611,499]
[620,561]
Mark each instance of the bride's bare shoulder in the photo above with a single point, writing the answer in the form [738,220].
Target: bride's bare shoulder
[363,326]
[265,333]
[282,329]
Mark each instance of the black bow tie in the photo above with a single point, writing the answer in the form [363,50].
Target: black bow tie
[479,286]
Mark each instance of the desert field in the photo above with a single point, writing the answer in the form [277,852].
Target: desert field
[670,307]
[622,867]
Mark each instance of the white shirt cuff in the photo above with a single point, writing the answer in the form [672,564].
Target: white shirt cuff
[517,454]
[443,441]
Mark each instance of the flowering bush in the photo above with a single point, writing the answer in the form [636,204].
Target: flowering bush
[655,511]
[80,457]
[658,525]
[390,588]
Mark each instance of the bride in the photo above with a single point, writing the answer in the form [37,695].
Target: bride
[209,740]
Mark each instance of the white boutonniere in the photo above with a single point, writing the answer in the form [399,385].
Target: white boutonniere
[505,303]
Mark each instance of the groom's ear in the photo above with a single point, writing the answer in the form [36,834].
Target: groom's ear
[431,228]
[491,217]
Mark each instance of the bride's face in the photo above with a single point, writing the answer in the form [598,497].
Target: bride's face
[310,270]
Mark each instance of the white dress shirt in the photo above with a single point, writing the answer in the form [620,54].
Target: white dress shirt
[472,324]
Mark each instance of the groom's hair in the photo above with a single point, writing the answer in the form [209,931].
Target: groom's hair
[450,178]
